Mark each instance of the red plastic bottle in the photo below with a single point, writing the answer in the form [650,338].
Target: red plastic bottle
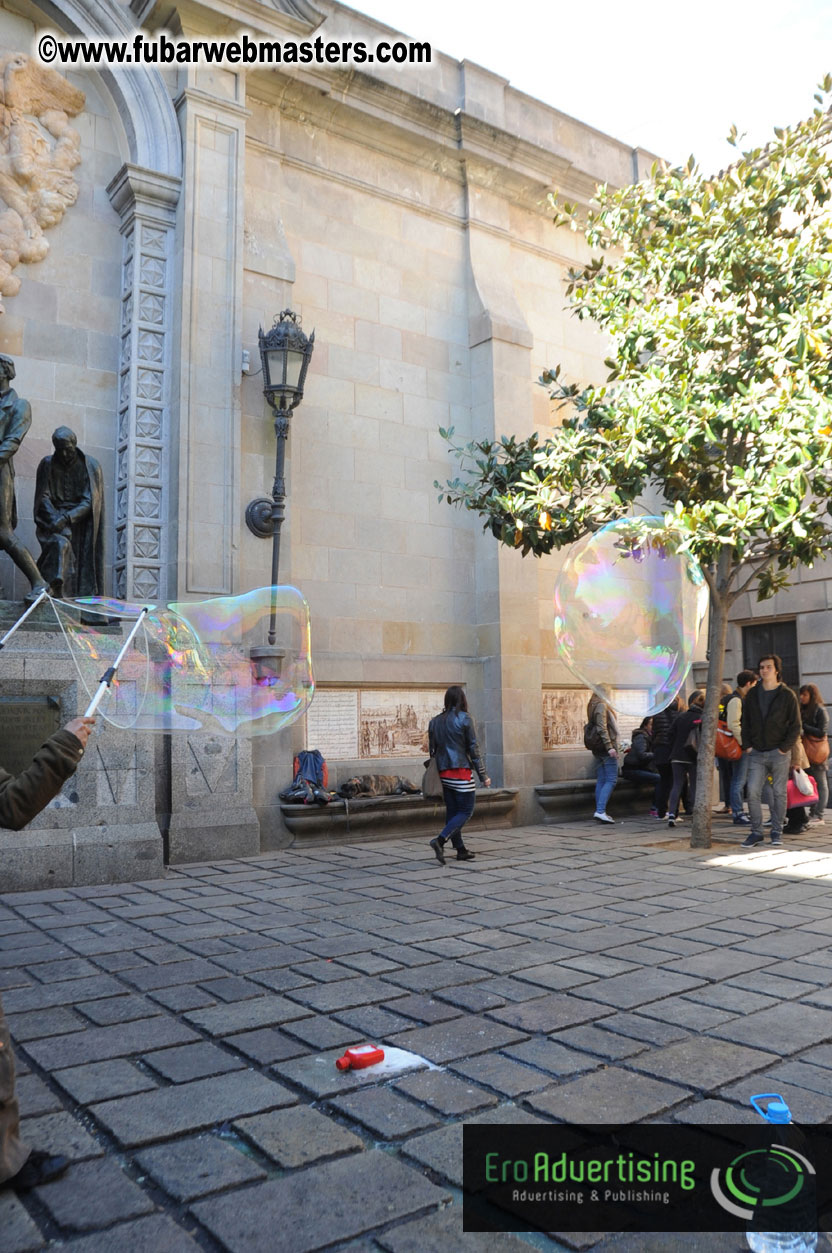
[361,1056]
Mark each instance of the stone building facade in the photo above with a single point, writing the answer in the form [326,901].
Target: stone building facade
[402,213]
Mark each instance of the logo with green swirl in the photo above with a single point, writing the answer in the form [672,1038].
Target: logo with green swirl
[769,1177]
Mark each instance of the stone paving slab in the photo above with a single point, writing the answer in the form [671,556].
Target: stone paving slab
[195,1167]
[612,1095]
[550,1013]
[265,1011]
[60,1135]
[352,1196]
[97,1081]
[639,988]
[20,1235]
[442,1232]
[153,1234]
[101,1043]
[298,1136]
[191,1061]
[785,1029]
[703,1063]
[135,1120]
[34,1097]
[446,1094]
[93,1194]
[460,1037]
[383,1112]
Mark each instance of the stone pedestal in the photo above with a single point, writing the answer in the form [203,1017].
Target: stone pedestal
[212,816]
[101,828]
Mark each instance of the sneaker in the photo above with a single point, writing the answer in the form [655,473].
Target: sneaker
[465,854]
[817,822]
[742,820]
[671,820]
[654,813]
[603,818]
[437,848]
[38,1168]
[776,842]
[751,840]
[768,822]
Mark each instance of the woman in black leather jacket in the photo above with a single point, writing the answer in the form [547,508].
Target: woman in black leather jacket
[453,742]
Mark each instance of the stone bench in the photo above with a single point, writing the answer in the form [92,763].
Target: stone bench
[575,798]
[386,817]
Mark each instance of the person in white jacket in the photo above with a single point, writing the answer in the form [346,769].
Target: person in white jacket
[733,716]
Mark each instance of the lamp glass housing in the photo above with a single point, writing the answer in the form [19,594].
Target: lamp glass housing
[285,352]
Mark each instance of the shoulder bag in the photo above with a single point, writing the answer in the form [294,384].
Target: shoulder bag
[431,781]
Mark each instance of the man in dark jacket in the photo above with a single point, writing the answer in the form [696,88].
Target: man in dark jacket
[770,729]
[21,799]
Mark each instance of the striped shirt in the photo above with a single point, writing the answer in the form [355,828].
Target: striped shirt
[458,780]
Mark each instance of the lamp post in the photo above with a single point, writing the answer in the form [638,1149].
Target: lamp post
[285,352]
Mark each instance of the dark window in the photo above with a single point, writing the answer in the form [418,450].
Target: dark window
[772,637]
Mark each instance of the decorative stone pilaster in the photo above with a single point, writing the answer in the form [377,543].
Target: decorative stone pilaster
[500,343]
[212,119]
[211,811]
[146,202]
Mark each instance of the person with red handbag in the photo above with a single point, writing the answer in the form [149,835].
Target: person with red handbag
[815,722]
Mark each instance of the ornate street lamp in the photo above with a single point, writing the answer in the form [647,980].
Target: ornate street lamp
[285,352]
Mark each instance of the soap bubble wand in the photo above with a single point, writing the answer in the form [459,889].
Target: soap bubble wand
[41,595]
[110,673]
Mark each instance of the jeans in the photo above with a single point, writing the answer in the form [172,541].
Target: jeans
[820,776]
[605,781]
[725,769]
[775,763]
[739,774]
[458,809]
[645,776]
[683,772]
[665,784]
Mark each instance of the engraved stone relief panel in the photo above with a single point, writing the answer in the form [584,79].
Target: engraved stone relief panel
[212,766]
[348,723]
[116,777]
[148,462]
[145,582]
[38,152]
[564,716]
[147,541]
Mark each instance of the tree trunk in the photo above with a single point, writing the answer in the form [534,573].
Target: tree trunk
[701,832]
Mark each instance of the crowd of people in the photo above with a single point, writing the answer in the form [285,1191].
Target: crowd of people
[779,756]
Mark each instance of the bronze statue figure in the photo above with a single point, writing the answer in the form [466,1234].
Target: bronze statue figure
[69,502]
[15,420]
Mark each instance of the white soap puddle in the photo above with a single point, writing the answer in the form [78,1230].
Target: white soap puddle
[396,1062]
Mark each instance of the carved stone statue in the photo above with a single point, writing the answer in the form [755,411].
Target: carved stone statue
[15,420]
[69,509]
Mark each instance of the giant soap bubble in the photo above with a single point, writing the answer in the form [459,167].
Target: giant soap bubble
[627,614]
[194,665]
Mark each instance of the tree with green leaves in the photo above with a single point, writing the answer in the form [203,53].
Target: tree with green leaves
[716,296]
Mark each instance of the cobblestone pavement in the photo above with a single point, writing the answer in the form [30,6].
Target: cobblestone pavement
[176,1038]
